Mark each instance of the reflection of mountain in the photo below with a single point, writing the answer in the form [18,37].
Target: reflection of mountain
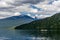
[51,23]
[15,21]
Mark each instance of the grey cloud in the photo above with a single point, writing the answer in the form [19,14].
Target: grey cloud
[20,2]
[32,1]
[7,9]
[10,10]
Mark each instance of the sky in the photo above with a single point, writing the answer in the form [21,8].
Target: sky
[38,8]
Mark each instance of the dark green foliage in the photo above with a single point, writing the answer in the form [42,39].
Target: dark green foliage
[51,23]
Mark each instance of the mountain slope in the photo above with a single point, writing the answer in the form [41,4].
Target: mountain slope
[15,21]
[17,17]
[51,23]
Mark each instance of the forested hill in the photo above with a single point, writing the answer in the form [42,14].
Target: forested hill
[52,22]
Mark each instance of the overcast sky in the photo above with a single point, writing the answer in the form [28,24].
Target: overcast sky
[39,8]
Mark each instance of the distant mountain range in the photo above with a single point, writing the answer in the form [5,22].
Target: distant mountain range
[50,23]
[15,21]
[18,17]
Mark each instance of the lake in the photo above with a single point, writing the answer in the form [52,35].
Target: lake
[6,34]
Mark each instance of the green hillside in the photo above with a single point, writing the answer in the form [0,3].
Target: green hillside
[51,23]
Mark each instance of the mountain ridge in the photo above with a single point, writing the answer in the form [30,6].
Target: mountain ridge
[50,23]
[15,21]
[17,17]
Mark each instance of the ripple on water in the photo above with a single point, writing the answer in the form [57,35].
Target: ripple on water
[40,38]
[4,38]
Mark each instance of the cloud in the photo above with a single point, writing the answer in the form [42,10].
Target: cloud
[5,14]
[8,14]
[29,14]
[34,10]
[51,7]
[4,4]
[14,7]
[20,2]
[42,16]
[8,1]
[32,1]
[15,11]
[17,14]
[56,3]
[26,7]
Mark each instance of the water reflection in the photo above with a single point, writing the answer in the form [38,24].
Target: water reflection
[38,35]
[28,35]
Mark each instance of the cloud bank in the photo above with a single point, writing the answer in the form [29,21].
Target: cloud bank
[39,8]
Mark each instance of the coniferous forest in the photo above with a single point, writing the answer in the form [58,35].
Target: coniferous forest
[50,23]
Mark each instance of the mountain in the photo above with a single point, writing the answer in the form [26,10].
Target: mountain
[15,21]
[50,23]
[18,17]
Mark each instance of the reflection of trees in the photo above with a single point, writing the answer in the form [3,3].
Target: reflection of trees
[51,24]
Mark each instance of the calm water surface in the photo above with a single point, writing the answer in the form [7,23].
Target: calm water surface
[6,34]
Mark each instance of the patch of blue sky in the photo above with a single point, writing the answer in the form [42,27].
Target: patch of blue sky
[34,7]
[52,1]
